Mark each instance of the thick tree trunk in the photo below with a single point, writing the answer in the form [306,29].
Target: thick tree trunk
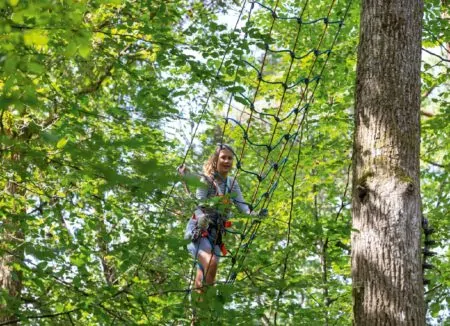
[386,255]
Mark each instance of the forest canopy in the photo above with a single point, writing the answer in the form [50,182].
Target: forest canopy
[102,100]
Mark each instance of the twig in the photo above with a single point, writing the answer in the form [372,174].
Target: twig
[436,55]
[15,321]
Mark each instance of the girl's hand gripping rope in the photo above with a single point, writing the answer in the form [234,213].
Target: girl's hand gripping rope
[182,169]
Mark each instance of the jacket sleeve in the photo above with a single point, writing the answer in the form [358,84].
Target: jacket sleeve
[204,191]
[238,199]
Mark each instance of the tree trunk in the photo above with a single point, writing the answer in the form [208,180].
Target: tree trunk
[386,255]
[109,269]
[445,15]
[10,280]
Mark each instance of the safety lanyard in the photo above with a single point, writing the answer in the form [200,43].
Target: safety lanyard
[219,191]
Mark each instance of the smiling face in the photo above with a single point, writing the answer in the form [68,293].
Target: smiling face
[224,162]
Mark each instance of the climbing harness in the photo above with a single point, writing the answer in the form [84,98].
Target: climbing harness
[211,222]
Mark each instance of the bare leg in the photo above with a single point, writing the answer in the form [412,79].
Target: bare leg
[209,264]
[199,279]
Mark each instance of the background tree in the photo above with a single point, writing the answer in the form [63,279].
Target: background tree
[386,247]
[435,161]
[86,88]
[99,102]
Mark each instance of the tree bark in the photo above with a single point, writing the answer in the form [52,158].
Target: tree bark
[445,15]
[10,280]
[109,270]
[386,203]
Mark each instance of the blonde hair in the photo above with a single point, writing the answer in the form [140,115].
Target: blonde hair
[210,166]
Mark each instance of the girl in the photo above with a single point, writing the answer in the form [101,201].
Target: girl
[210,221]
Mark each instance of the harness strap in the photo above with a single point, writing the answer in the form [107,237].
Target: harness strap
[219,230]
[223,249]
[217,188]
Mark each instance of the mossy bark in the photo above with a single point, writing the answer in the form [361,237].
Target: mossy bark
[386,257]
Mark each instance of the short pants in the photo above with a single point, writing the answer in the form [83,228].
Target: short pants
[203,244]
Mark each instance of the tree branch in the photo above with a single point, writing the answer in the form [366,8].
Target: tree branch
[436,55]
[428,92]
[442,166]
[95,86]
[2,128]
[427,113]
[15,321]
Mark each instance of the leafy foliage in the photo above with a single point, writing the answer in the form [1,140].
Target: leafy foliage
[99,101]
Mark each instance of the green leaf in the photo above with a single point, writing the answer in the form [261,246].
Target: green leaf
[36,68]
[84,49]
[13,3]
[241,100]
[35,37]
[61,143]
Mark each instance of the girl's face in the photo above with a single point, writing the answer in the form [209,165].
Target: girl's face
[224,162]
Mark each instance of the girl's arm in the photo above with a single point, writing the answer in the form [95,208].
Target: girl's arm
[239,199]
[202,192]
[184,173]
[205,190]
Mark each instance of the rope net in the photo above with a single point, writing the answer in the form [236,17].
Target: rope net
[265,87]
